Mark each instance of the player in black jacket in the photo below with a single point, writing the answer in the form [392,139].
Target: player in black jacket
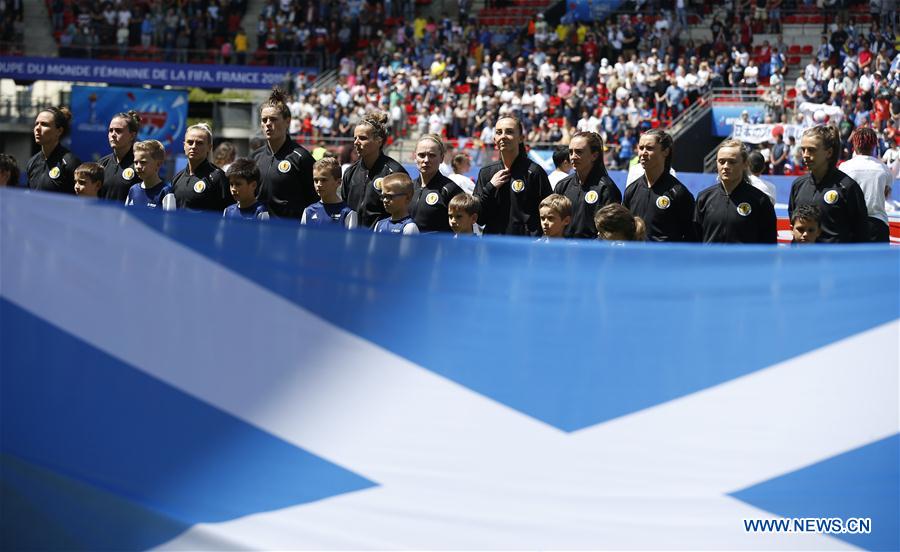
[434,191]
[511,189]
[732,210]
[361,185]
[285,167]
[201,186]
[665,204]
[53,168]
[590,187]
[118,166]
[845,217]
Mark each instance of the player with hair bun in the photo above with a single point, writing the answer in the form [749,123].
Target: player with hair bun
[361,186]
[285,167]
[118,167]
[53,168]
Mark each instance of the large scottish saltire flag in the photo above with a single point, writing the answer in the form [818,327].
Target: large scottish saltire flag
[186,382]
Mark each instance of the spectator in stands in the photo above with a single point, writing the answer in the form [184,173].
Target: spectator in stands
[224,155]
[562,163]
[462,164]
[53,168]
[118,166]
[757,165]
[779,153]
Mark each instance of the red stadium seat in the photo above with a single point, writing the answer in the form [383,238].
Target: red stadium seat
[794,49]
[807,50]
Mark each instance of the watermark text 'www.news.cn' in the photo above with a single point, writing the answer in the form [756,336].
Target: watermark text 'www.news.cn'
[828,526]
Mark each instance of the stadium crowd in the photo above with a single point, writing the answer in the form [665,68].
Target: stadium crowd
[618,76]
[167,29]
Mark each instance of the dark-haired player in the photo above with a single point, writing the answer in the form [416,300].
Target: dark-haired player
[118,167]
[661,200]
[285,167]
[512,188]
[53,168]
[590,187]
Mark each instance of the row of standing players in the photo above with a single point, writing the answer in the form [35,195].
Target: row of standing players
[510,190]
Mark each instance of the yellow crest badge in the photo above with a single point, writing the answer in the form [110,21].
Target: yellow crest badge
[744,209]
[199,186]
[54,173]
[591,197]
[663,202]
[432,198]
[831,197]
[518,185]
[377,184]
[284,166]
[128,173]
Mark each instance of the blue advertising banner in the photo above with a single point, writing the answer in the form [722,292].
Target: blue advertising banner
[724,116]
[163,116]
[131,73]
[590,10]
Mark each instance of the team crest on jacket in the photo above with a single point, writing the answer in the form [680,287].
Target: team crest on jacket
[54,173]
[663,202]
[432,198]
[128,173]
[199,186]
[744,209]
[518,185]
[284,166]
[377,184]
[591,197]
[831,197]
